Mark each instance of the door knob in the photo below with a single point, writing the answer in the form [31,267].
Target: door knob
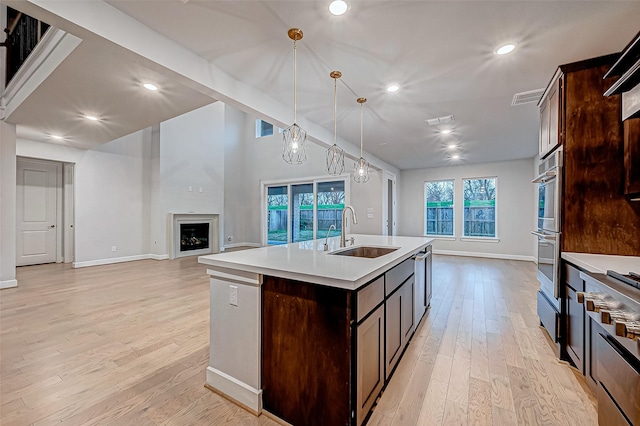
[52,226]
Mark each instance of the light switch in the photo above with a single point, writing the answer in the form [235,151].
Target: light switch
[233,295]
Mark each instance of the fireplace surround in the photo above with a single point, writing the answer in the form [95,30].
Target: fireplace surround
[192,234]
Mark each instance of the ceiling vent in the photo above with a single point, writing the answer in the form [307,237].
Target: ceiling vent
[440,120]
[532,96]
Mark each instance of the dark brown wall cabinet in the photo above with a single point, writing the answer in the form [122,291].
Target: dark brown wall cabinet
[597,217]
[632,159]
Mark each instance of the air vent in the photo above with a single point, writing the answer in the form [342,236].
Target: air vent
[440,120]
[532,96]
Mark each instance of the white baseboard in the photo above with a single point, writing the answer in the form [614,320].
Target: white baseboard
[159,256]
[8,284]
[487,255]
[109,261]
[233,388]
[226,246]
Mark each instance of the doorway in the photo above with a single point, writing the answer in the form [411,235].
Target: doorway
[44,212]
[389,211]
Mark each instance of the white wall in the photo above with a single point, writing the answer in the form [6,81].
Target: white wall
[190,151]
[111,200]
[7,205]
[263,162]
[515,207]
[236,215]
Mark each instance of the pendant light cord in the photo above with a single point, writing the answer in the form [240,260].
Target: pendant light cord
[294,83]
[335,111]
[361,126]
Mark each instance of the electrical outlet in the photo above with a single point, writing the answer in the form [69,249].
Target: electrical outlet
[233,295]
[114,248]
[190,189]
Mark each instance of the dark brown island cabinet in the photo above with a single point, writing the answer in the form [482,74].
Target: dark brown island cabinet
[328,352]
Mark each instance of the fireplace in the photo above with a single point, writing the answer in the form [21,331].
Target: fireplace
[194,236]
[191,234]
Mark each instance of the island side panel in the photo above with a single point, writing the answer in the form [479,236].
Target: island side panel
[234,352]
[306,352]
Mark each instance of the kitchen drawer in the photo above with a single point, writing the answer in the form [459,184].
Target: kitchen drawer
[399,274]
[620,379]
[608,413]
[370,297]
[548,316]
[572,277]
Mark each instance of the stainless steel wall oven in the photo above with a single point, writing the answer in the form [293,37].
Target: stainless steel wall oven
[549,183]
[548,233]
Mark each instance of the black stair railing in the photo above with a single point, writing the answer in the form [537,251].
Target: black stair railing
[23,34]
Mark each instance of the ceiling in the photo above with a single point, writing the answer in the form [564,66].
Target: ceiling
[440,53]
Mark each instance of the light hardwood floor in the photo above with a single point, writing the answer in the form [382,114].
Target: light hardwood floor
[128,344]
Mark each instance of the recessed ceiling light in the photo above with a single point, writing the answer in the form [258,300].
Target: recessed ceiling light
[445,131]
[150,86]
[507,48]
[455,156]
[452,146]
[393,88]
[338,7]
[91,117]
[57,137]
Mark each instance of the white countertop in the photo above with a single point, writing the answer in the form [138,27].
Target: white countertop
[601,263]
[306,261]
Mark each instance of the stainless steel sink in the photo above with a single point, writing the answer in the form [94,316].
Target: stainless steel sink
[365,251]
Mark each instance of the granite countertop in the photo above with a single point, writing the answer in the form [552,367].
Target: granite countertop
[308,262]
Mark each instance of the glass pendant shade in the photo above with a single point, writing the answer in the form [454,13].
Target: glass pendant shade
[294,145]
[335,160]
[361,167]
[293,137]
[361,171]
[335,155]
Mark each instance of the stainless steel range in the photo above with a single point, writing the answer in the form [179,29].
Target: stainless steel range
[612,302]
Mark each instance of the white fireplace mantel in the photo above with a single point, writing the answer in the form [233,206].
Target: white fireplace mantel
[173,230]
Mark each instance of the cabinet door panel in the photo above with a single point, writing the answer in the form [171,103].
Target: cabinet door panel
[544,127]
[393,328]
[370,368]
[408,309]
[575,329]
[554,110]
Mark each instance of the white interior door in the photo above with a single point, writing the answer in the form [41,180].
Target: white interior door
[37,200]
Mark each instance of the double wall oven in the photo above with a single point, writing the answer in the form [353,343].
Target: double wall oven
[548,232]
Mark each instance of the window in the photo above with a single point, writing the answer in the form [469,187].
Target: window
[263,128]
[304,211]
[479,207]
[277,214]
[438,197]
[330,205]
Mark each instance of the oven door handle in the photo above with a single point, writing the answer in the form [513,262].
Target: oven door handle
[544,236]
[546,176]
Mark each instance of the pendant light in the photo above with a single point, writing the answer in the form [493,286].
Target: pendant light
[293,137]
[335,155]
[361,167]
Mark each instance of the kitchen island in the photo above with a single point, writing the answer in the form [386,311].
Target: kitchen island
[309,335]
